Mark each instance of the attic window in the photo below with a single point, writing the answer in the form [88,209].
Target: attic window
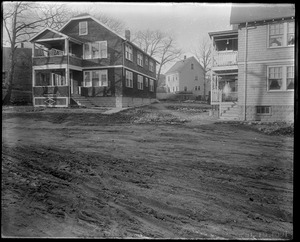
[83,30]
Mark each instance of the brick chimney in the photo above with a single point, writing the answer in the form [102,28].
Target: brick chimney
[127,34]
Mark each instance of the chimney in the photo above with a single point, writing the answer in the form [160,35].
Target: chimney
[184,57]
[127,34]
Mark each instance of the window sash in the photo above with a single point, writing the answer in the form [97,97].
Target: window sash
[280,78]
[128,52]
[140,82]
[281,34]
[83,28]
[140,59]
[151,66]
[129,79]
[151,85]
[94,50]
[96,78]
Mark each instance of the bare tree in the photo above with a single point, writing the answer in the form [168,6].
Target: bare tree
[203,54]
[21,20]
[158,45]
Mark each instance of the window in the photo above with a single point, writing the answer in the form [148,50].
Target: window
[185,89]
[290,78]
[140,83]
[58,79]
[96,78]
[146,60]
[196,88]
[151,85]
[282,34]
[275,78]
[129,79]
[140,59]
[151,66]
[196,78]
[128,52]
[263,110]
[50,79]
[290,33]
[280,78]
[276,35]
[192,66]
[87,79]
[146,82]
[43,79]
[95,50]
[83,29]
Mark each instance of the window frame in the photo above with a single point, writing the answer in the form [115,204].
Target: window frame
[285,34]
[86,27]
[151,85]
[259,109]
[151,66]
[284,78]
[51,79]
[89,56]
[146,82]
[140,59]
[140,82]
[100,74]
[129,74]
[128,52]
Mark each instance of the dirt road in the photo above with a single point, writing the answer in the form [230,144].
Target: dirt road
[162,171]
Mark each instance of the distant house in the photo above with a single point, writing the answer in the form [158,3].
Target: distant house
[23,68]
[87,63]
[253,67]
[186,75]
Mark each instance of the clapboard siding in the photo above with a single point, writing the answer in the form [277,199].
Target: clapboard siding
[257,93]
[258,46]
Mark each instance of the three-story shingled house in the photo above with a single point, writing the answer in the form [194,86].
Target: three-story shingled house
[253,68]
[87,63]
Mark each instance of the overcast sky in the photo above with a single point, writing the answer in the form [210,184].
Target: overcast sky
[189,23]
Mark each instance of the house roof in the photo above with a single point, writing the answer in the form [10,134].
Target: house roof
[179,65]
[225,32]
[63,36]
[85,16]
[242,13]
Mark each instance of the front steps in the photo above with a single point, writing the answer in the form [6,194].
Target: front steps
[82,101]
[229,111]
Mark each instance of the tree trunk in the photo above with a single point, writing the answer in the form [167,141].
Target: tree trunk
[7,98]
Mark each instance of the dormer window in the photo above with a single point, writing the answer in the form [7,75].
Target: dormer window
[83,30]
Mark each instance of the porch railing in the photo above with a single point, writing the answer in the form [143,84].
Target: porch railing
[48,53]
[219,96]
[225,58]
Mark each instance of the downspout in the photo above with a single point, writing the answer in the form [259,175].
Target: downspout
[245,71]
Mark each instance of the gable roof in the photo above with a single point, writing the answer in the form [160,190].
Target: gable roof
[242,13]
[179,65]
[63,36]
[85,16]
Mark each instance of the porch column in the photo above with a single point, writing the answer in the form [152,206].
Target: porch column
[33,49]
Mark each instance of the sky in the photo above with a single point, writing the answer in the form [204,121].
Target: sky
[188,23]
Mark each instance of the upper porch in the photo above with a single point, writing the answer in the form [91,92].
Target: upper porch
[50,47]
[225,50]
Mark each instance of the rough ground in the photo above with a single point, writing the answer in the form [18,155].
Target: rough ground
[163,171]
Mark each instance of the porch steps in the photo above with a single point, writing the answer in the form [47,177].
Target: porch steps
[229,111]
[82,101]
